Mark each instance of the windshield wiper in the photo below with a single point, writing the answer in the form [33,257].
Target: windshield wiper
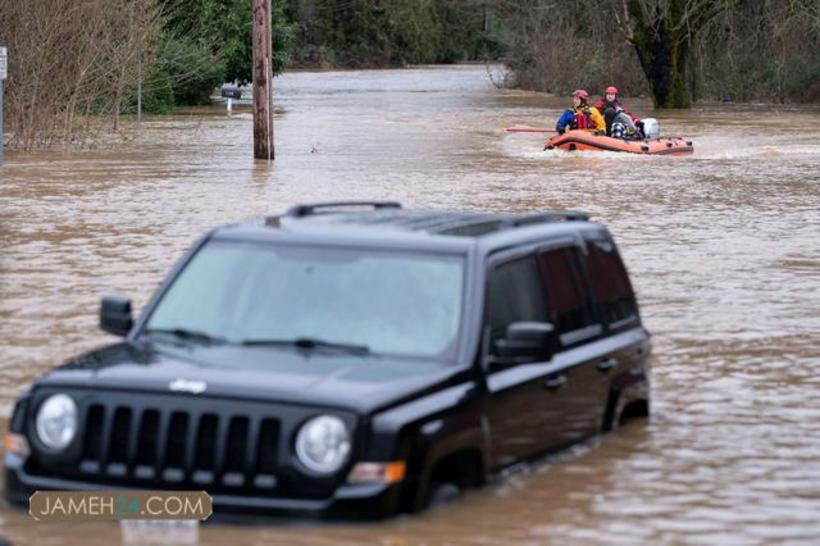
[309,343]
[188,335]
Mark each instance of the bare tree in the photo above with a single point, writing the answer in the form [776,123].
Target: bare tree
[558,46]
[763,49]
[69,60]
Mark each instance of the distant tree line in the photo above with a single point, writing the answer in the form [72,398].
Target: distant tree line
[674,50]
[76,65]
[382,33]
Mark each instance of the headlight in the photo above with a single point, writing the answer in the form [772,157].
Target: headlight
[57,421]
[323,444]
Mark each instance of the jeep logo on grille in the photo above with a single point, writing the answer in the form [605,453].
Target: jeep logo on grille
[186,385]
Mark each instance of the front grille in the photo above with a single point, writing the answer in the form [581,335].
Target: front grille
[169,442]
[177,447]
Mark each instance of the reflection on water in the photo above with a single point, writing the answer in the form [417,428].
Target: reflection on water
[722,246]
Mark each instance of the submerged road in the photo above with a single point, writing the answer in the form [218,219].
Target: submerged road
[723,248]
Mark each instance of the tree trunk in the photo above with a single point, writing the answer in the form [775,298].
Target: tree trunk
[695,73]
[664,59]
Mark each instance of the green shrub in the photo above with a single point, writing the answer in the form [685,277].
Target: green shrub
[158,93]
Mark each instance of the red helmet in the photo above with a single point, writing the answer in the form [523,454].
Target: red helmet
[611,89]
[581,94]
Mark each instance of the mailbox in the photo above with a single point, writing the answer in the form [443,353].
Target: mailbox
[231,92]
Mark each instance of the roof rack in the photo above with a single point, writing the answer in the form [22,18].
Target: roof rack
[299,211]
[547,216]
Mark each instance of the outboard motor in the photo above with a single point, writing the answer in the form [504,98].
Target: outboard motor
[651,128]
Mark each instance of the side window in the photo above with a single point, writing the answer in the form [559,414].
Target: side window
[610,285]
[514,294]
[569,309]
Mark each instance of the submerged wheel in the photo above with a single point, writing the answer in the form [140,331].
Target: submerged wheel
[449,478]
[442,493]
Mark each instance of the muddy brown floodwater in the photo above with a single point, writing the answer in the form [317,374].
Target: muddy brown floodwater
[723,248]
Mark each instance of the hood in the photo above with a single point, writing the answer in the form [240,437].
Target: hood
[275,374]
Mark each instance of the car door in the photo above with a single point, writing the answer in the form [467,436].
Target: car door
[525,403]
[624,343]
[578,327]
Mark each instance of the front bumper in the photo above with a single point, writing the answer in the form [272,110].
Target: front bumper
[368,501]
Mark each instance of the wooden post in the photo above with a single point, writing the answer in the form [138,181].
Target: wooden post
[262,81]
[3,73]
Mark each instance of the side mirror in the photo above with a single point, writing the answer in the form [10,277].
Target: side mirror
[526,341]
[115,315]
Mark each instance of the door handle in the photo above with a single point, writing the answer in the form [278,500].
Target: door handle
[556,382]
[607,363]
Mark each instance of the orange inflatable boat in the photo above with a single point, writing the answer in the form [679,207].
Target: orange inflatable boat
[580,139]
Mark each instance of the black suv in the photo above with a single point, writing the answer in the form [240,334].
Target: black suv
[346,358]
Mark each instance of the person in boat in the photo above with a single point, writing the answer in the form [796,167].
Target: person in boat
[619,122]
[622,126]
[581,116]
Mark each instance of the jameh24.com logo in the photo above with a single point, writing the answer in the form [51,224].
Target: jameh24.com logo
[107,505]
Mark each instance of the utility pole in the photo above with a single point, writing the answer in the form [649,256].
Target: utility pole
[3,72]
[262,81]
[139,85]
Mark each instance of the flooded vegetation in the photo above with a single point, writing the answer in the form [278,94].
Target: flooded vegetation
[722,247]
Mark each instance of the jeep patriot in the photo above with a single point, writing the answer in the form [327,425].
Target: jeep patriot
[346,359]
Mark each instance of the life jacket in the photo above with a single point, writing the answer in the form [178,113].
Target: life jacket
[582,119]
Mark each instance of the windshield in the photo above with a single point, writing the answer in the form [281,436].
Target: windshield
[386,302]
